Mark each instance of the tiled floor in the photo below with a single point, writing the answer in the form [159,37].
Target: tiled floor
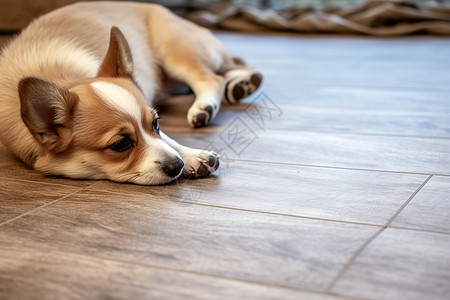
[334,184]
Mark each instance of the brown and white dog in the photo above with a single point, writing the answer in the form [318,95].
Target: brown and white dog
[76,91]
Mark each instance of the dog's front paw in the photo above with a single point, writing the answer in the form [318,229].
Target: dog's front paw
[199,163]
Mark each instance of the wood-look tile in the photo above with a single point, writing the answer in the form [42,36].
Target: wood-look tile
[333,48]
[347,88]
[11,167]
[354,98]
[30,273]
[345,195]
[294,116]
[400,264]
[390,73]
[18,197]
[398,154]
[278,250]
[430,208]
[345,121]
[367,62]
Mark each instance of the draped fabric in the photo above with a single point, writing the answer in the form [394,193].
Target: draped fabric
[377,18]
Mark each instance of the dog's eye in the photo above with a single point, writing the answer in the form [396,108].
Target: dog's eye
[123,144]
[156,125]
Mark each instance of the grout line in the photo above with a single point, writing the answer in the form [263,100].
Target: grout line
[420,229]
[359,133]
[271,213]
[364,246]
[352,259]
[370,87]
[408,201]
[278,129]
[281,214]
[91,183]
[96,182]
[329,167]
[243,209]
[174,269]
[311,218]
[39,207]
[304,104]
[39,181]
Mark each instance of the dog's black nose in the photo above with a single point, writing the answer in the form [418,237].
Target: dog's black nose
[173,168]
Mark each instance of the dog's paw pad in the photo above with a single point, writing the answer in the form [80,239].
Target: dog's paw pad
[200,164]
[256,79]
[239,87]
[209,109]
[202,117]
[214,161]
[202,171]
[239,91]
[200,120]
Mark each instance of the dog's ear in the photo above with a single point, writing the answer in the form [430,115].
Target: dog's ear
[118,61]
[47,109]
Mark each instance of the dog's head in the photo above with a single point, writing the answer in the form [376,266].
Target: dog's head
[100,128]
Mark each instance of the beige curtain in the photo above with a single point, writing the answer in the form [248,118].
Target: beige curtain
[378,18]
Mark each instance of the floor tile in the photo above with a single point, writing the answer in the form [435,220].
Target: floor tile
[398,154]
[346,102]
[293,116]
[290,252]
[346,195]
[269,113]
[370,62]
[18,197]
[384,73]
[363,98]
[74,276]
[400,264]
[430,208]
[30,273]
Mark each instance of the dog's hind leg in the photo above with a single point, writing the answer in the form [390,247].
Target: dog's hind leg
[192,55]
[208,89]
[240,83]
[195,70]
[240,80]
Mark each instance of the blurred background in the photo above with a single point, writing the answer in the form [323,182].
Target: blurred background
[304,16]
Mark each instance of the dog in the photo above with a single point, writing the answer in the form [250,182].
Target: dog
[78,85]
